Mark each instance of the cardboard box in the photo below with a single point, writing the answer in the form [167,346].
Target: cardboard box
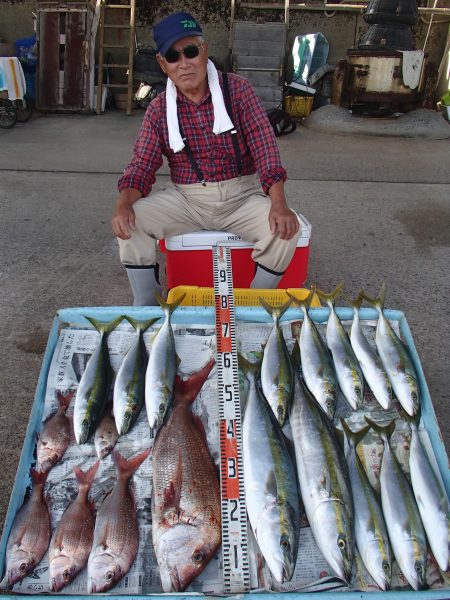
[189,259]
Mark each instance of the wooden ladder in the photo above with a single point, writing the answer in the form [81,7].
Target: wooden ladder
[104,25]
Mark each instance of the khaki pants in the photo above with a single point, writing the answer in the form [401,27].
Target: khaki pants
[238,205]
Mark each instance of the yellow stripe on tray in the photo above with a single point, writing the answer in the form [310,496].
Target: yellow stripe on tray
[12,66]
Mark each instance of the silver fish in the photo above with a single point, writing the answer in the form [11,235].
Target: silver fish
[348,371]
[324,481]
[395,358]
[277,376]
[116,534]
[186,517]
[270,483]
[369,360]
[161,368]
[93,389]
[371,535]
[72,539]
[317,365]
[30,535]
[129,386]
[431,499]
[401,514]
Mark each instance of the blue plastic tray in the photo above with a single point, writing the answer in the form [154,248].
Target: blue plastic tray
[200,316]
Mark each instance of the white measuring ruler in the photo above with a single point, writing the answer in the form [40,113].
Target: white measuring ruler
[236,570]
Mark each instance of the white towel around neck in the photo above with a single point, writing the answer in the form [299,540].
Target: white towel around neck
[222,121]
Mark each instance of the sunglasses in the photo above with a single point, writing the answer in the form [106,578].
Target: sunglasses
[191,51]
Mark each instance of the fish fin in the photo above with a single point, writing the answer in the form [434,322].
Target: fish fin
[377,302]
[186,391]
[105,327]
[170,306]
[38,476]
[127,467]
[305,303]
[172,494]
[276,312]
[249,367]
[64,398]
[86,477]
[384,432]
[141,325]
[331,297]
[354,437]
[271,485]
[356,302]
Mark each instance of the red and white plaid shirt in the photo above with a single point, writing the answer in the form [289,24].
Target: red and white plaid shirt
[214,153]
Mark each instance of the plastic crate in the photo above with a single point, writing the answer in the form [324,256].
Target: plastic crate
[298,106]
[204,296]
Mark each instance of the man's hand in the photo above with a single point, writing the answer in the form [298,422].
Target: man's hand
[282,219]
[123,219]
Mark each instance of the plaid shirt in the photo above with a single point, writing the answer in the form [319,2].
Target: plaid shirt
[214,153]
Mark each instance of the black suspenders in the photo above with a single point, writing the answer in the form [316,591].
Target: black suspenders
[237,152]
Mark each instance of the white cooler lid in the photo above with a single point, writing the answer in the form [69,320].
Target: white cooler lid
[203,240]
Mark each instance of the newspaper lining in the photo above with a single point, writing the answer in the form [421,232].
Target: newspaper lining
[195,345]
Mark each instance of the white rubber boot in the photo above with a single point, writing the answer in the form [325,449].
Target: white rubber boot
[265,279]
[144,282]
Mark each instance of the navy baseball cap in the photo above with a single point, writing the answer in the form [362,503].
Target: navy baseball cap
[174,28]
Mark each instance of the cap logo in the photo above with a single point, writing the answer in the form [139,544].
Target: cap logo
[188,24]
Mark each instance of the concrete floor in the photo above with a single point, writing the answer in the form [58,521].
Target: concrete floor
[379,207]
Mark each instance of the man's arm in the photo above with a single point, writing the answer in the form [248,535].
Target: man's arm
[282,219]
[123,219]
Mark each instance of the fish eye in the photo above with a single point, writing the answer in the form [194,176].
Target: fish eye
[85,423]
[386,566]
[109,576]
[418,568]
[23,567]
[284,542]
[342,544]
[197,557]
[66,574]
[161,409]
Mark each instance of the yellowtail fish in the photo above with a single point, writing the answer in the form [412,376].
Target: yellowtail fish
[369,360]
[129,386]
[277,377]
[186,513]
[395,358]
[401,514]
[324,480]
[348,371]
[72,539]
[162,368]
[431,498]
[93,389]
[317,365]
[30,535]
[371,534]
[271,492]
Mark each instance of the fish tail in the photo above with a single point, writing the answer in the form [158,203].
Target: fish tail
[386,431]
[140,325]
[356,302]
[186,391]
[64,398]
[85,478]
[354,437]
[305,303]
[104,327]
[38,477]
[276,312]
[377,302]
[171,306]
[127,466]
[247,367]
[331,297]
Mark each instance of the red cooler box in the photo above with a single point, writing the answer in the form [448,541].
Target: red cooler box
[189,259]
